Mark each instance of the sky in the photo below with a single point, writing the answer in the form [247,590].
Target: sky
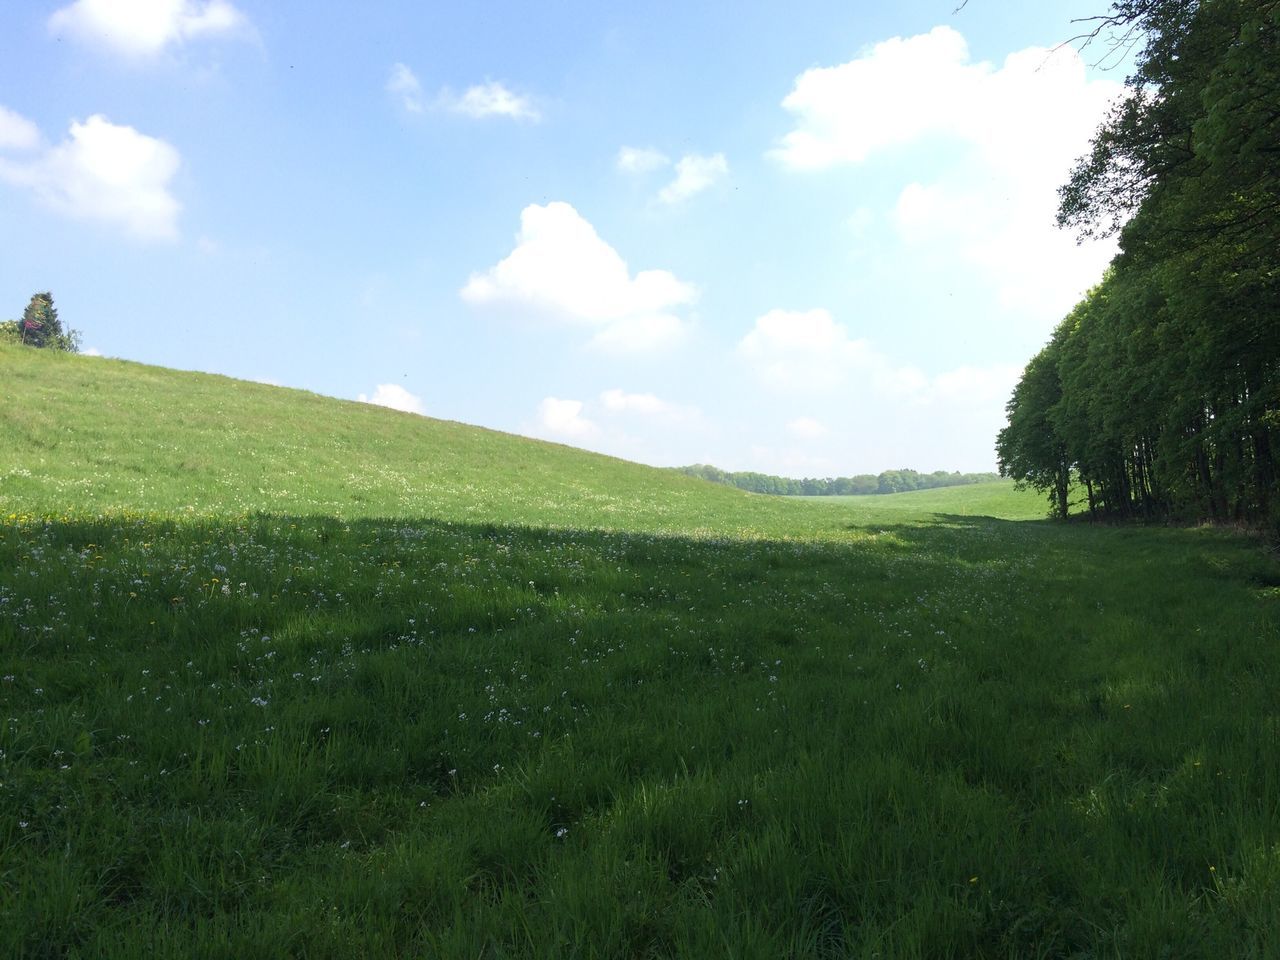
[809,239]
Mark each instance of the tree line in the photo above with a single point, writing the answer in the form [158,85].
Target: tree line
[1158,396]
[890,481]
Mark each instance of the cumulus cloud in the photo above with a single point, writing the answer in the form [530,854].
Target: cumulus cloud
[394,396]
[694,173]
[562,269]
[901,90]
[140,28]
[490,99]
[1019,127]
[641,160]
[564,419]
[105,172]
[17,132]
[404,85]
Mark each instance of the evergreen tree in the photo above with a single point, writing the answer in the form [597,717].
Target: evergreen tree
[40,326]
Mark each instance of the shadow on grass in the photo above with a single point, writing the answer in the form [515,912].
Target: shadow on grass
[290,734]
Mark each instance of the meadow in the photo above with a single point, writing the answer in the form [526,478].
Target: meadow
[282,675]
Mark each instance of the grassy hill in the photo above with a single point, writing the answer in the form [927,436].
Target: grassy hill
[289,676]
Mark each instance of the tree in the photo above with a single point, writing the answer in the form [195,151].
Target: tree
[1030,449]
[1167,377]
[40,326]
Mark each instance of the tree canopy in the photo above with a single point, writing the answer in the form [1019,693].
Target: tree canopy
[1161,390]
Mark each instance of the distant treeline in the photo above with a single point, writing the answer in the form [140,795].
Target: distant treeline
[891,481]
[1159,394]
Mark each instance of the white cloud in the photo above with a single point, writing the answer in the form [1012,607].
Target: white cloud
[1018,126]
[806,428]
[641,160]
[146,27]
[402,83]
[490,99]
[905,90]
[647,405]
[984,384]
[91,352]
[644,333]
[619,401]
[562,269]
[105,172]
[636,426]
[808,351]
[898,92]
[952,416]
[394,396]
[694,173]
[563,418]
[17,132]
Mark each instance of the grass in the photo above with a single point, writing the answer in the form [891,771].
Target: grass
[997,500]
[287,676]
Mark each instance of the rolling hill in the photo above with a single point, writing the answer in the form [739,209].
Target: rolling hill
[291,676]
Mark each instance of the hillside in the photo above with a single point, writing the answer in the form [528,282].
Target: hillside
[292,676]
[107,434]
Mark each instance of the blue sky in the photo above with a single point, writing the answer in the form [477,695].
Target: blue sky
[808,239]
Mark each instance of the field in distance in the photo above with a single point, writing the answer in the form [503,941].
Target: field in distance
[1000,500]
[289,676]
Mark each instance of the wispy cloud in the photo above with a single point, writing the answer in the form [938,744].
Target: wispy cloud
[404,85]
[694,173]
[641,160]
[479,102]
[490,99]
[806,428]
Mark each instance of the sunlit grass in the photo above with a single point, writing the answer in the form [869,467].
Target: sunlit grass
[289,676]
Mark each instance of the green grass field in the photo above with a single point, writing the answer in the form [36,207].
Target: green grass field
[289,676]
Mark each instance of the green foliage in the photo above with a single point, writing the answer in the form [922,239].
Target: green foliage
[289,676]
[1030,449]
[890,481]
[40,326]
[1168,376]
